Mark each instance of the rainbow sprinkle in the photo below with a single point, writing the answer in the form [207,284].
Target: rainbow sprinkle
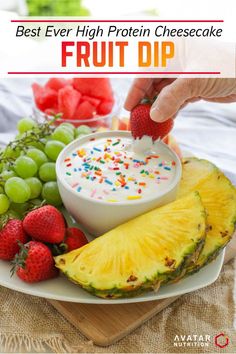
[104,167]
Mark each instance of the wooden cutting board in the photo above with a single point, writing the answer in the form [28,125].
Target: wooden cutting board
[106,324]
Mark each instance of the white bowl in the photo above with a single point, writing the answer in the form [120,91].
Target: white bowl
[99,216]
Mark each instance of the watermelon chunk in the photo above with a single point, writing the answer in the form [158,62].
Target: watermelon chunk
[51,111]
[85,110]
[45,97]
[105,107]
[68,100]
[56,84]
[94,87]
[94,101]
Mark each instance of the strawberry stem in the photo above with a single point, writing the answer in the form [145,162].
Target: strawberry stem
[4,220]
[34,207]
[57,249]
[20,258]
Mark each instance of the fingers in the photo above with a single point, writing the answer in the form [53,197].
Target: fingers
[139,89]
[228,99]
[142,88]
[171,98]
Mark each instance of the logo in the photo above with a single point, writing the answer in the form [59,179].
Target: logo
[192,340]
[221,340]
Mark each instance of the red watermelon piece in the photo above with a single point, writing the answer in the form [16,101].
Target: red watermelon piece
[94,101]
[105,107]
[94,87]
[56,84]
[68,100]
[51,111]
[44,97]
[85,110]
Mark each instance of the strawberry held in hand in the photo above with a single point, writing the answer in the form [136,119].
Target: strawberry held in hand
[141,123]
[34,263]
[45,224]
[10,235]
[75,238]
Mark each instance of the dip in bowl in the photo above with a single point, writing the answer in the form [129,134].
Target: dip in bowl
[106,179]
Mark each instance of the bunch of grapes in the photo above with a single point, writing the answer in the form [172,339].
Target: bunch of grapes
[27,165]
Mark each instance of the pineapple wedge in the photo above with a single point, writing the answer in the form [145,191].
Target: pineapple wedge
[219,198]
[194,171]
[141,253]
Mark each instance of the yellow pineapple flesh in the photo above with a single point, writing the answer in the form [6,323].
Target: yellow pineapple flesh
[219,198]
[140,254]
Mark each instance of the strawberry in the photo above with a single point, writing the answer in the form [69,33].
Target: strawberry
[10,235]
[34,263]
[141,123]
[45,224]
[75,238]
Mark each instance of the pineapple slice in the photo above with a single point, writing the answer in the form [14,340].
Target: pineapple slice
[219,198]
[194,171]
[141,253]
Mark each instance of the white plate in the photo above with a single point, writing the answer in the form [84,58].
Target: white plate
[62,289]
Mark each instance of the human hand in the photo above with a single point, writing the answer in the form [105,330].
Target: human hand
[174,94]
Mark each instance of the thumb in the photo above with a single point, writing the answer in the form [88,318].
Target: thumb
[170,100]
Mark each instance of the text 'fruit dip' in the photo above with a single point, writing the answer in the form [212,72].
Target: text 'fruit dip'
[119,169]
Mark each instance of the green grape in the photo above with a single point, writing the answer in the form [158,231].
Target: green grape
[37,144]
[6,174]
[53,149]
[47,172]
[83,129]
[35,187]
[20,209]
[1,190]
[37,155]
[25,167]
[69,127]
[17,190]
[45,140]
[1,166]
[4,204]
[11,153]
[26,124]
[51,194]
[63,135]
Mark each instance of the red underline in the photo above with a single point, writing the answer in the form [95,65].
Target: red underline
[114,73]
[117,21]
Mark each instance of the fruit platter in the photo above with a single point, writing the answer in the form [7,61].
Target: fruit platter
[111,216]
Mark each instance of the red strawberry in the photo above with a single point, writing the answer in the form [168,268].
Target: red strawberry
[34,263]
[11,233]
[75,238]
[45,224]
[141,124]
